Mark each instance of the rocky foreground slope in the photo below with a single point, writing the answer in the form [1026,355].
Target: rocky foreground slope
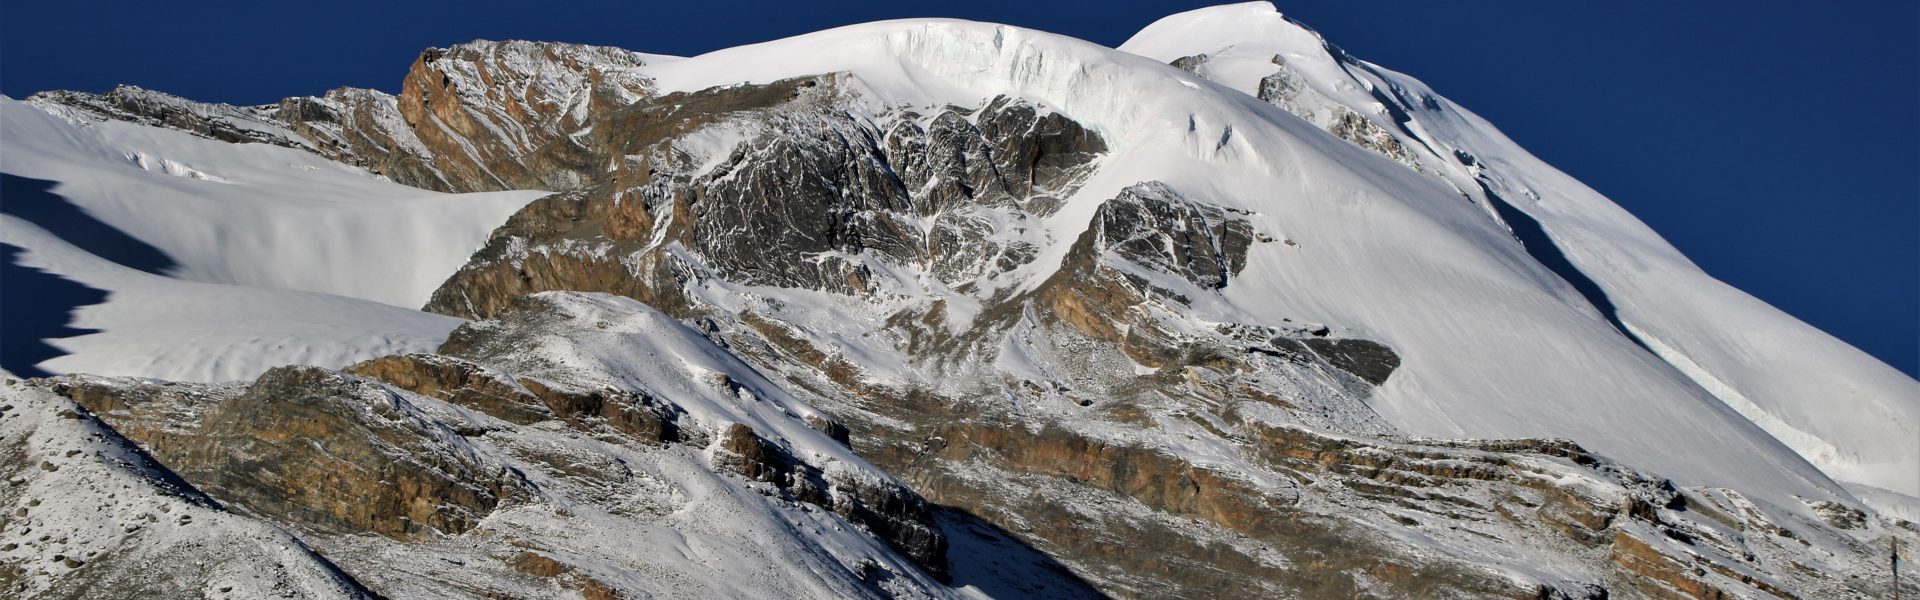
[437,476]
[935,308]
[562,446]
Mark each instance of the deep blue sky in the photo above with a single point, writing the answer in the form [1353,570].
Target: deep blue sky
[1776,143]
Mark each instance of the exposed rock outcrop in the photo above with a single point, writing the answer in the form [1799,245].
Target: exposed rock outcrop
[527,401]
[894,513]
[89,514]
[1154,227]
[365,128]
[480,116]
[602,330]
[333,452]
[1289,90]
[518,115]
[237,124]
[803,196]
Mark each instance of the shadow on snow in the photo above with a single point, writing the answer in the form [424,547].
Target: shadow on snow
[37,306]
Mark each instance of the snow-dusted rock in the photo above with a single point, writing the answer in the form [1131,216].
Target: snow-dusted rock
[89,514]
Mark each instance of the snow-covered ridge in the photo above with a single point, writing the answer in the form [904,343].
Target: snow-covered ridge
[239,124]
[1855,417]
[259,215]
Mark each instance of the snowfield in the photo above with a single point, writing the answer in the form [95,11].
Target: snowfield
[223,260]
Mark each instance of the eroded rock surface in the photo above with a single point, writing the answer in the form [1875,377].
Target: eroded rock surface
[584,328]
[804,197]
[89,514]
[1154,227]
[480,116]
[332,452]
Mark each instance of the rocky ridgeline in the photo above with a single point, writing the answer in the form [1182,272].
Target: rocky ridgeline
[517,115]
[481,116]
[878,278]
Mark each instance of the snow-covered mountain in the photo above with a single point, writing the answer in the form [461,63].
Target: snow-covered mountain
[1853,416]
[1222,311]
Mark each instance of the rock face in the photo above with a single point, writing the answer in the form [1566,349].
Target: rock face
[365,128]
[381,465]
[237,124]
[330,452]
[1288,89]
[481,116]
[89,514]
[893,512]
[1050,409]
[517,115]
[527,401]
[804,198]
[547,325]
[538,325]
[1152,226]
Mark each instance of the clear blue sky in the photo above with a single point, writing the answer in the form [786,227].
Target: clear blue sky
[1776,143]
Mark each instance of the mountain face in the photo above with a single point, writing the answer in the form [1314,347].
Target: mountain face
[916,308]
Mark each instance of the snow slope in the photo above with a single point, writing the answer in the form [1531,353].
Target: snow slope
[155,326]
[256,215]
[1856,418]
[1495,344]
[633,346]
[223,260]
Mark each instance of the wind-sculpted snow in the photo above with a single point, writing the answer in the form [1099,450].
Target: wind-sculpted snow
[257,215]
[139,324]
[1854,417]
[233,259]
